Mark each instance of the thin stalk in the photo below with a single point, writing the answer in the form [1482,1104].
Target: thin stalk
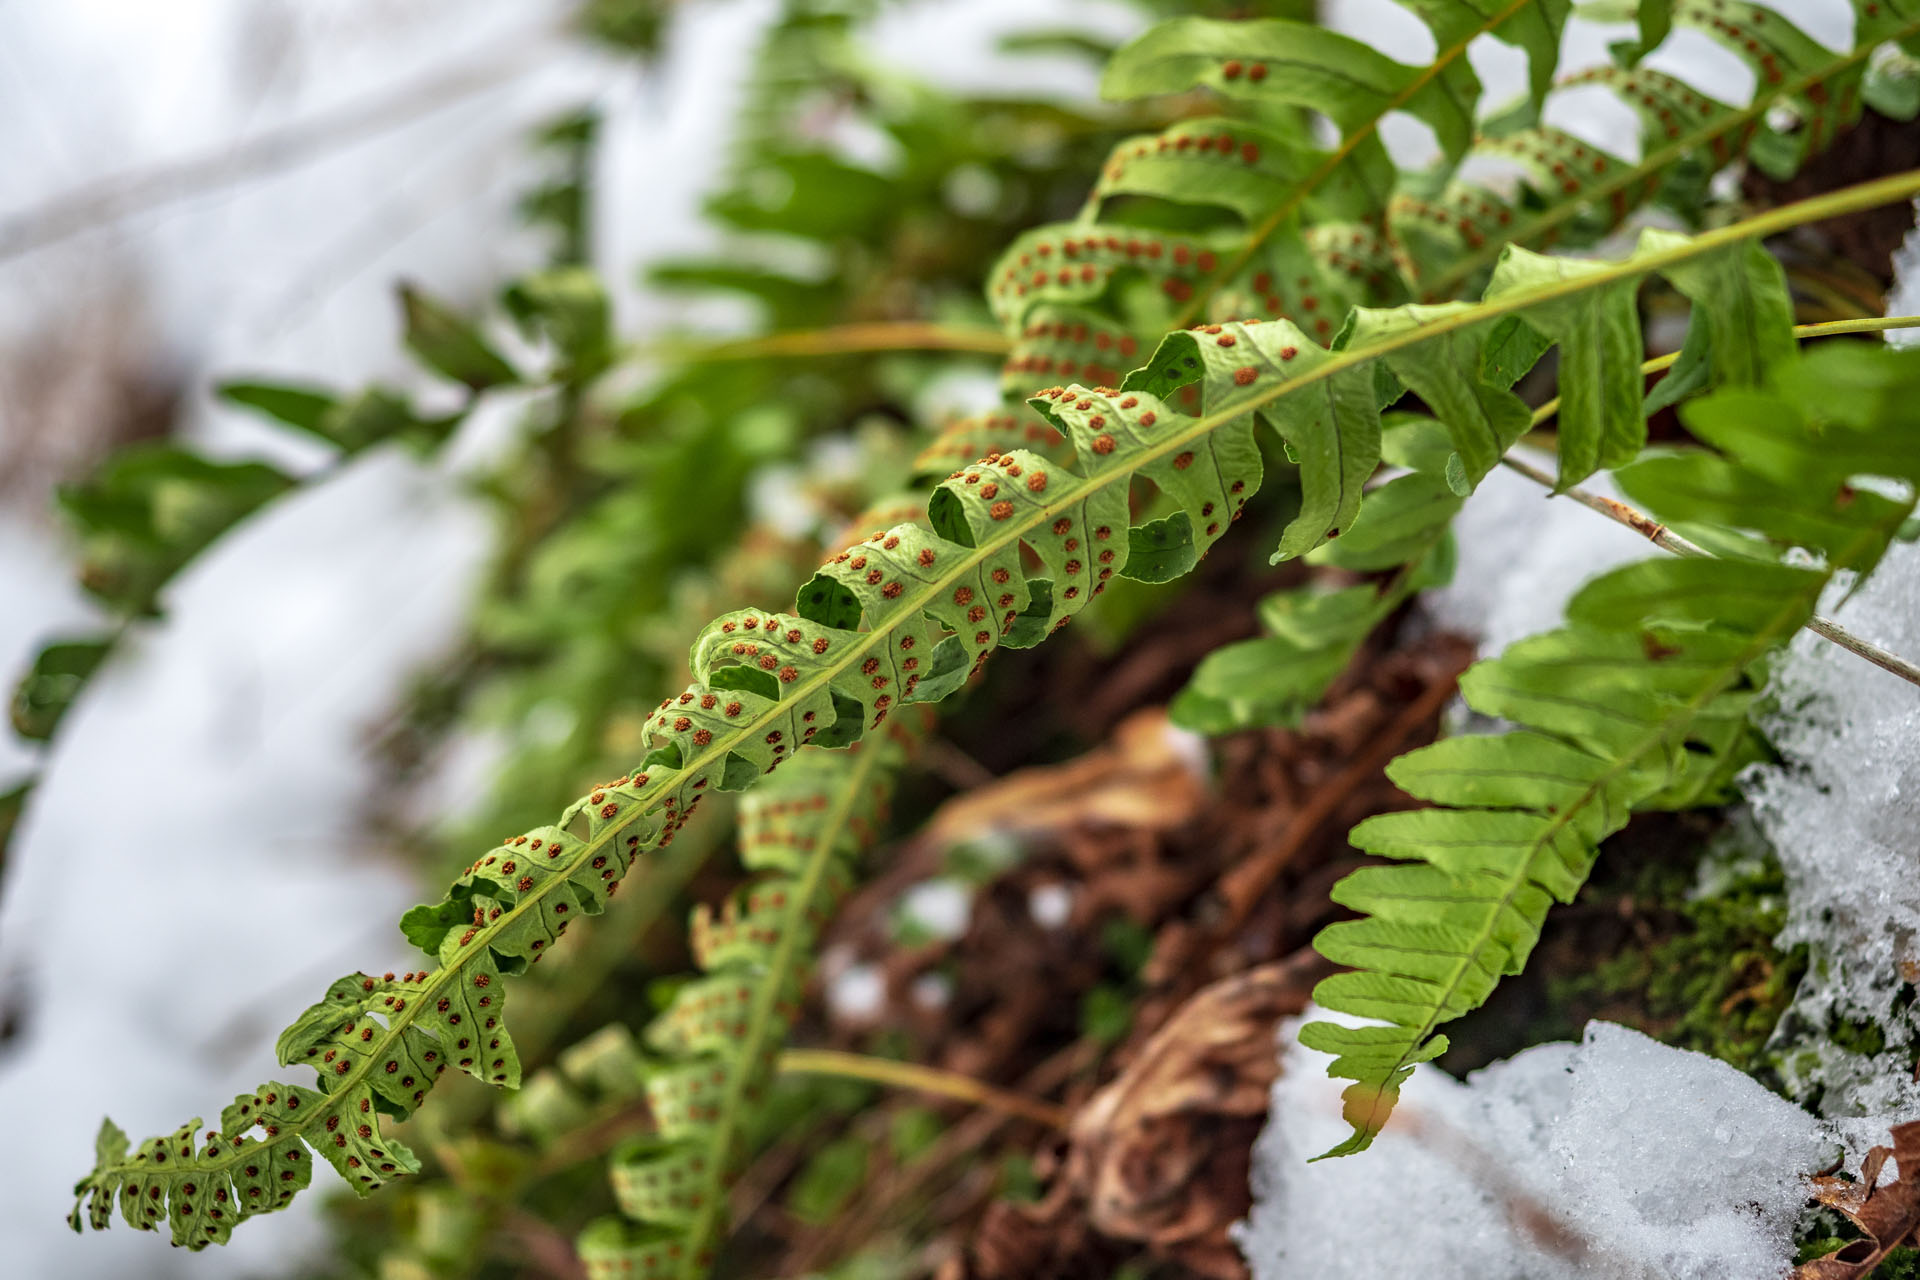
[847,339]
[608,1128]
[908,1075]
[1667,540]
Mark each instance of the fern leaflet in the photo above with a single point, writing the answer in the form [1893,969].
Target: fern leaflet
[1308,232]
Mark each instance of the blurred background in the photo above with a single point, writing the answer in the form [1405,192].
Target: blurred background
[253,786]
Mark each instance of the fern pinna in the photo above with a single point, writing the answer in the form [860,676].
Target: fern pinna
[723,1031]
[902,615]
[1246,212]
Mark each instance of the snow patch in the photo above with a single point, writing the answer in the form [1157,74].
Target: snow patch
[191,866]
[1618,1157]
[941,908]
[1522,556]
[857,994]
[1840,809]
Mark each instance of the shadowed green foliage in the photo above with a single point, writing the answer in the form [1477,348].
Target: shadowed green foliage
[1640,701]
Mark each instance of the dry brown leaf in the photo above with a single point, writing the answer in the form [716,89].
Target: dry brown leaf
[1159,1157]
[1888,1214]
[1150,776]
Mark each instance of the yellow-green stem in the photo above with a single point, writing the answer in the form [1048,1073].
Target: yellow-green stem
[845,339]
[908,1075]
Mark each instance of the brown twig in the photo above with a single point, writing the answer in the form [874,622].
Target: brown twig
[1667,540]
[1243,886]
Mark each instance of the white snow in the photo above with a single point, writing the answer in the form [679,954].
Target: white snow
[1050,905]
[857,993]
[1522,555]
[189,872]
[1841,810]
[1613,1159]
[941,908]
[1843,807]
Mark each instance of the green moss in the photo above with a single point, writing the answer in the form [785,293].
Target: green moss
[1698,969]
[1858,1037]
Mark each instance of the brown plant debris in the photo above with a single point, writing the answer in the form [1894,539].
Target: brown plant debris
[1887,1214]
[1159,1157]
[1148,777]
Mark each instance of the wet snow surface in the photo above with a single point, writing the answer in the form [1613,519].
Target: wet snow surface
[1613,1159]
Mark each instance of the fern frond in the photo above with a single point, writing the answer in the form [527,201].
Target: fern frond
[900,616]
[1281,180]
[1320,230]
[1743,330]
[1578,192]
[724,1031]
[1640,701]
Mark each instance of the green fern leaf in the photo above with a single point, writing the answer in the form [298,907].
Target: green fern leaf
[1325,229]
[1579,192]
[723,1031]
[1629,706]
